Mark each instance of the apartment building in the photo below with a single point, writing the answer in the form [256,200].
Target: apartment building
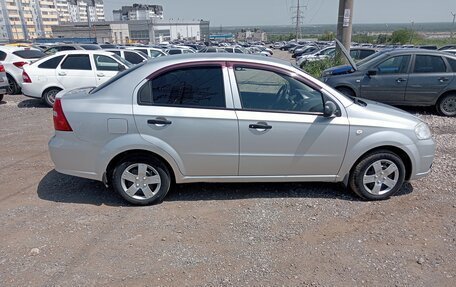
[138,12]
[30,19]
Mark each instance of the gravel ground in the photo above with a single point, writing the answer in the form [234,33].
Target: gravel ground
[58,230]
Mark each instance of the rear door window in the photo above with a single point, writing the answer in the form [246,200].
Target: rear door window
[429,64]
[76,62]
[105,63]
[452,63]
[52,63]
[186,87]
[2,56]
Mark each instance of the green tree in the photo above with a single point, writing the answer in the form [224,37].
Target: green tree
[402,36]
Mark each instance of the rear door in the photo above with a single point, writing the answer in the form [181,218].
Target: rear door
[76,71]
[188,112]
[389,83]
[106,68]
[428,79]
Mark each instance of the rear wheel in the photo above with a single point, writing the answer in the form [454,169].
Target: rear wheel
[141,180]
[378,175]
[1,98]
[346,91]
[49,96]
[446,106]
[13,88]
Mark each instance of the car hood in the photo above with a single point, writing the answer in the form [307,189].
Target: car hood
[338,70]
[347,55]
[381,115]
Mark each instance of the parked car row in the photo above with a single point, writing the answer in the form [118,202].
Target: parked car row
[411,77]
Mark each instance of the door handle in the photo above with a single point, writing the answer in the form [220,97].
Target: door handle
[159,122]
[400,80]
[100,74]
[62,74]
[260,126]
[442,79]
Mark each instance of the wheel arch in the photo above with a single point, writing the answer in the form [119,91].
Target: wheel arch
[449,92]
[346,86]
[135,152]
[50,87]
[394,149]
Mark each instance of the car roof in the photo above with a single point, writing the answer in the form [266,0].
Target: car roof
[415,51]
[88,52]
[16,48]
[201,57]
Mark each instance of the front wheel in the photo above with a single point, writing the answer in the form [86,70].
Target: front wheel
[378,175]
[446,106]
[141,181]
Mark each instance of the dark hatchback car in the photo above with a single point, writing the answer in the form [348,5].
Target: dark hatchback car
[408,77]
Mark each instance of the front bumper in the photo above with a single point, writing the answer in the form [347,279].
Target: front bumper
[424,152]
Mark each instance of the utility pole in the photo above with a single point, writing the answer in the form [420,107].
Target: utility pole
[452,27]
[344,26]
[298,19]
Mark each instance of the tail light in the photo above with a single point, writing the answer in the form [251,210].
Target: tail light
[60,121]
[2,69]
[20,64]
[25,77]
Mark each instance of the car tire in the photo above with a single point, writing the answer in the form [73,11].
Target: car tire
[49,96]
[446,105]
[1,97]
[378,175]
[346,91]
[13,88]
[141,180]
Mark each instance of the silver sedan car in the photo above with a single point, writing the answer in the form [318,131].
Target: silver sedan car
[232,118]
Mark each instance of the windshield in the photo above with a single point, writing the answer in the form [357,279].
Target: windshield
[366,61]
[116,77]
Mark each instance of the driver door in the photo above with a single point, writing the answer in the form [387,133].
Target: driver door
[282,128]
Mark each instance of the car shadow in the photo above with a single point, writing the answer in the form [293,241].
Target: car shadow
[57,187]
[2,102]
[31,103]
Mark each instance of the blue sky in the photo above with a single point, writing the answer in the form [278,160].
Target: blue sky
[278,12]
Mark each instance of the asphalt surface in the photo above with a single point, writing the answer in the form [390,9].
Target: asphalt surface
[58,230]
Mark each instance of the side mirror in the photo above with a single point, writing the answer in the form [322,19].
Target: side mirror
[121,67]
[330,109]
[372,73]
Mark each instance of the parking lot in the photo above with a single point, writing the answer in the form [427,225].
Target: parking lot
[59,230]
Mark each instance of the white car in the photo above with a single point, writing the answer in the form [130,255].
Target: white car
[451,51]
[151,52]
[322,54]
[69,70]
[132,56]
[13,59]
[178,51]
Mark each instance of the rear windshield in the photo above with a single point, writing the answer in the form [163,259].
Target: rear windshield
[29,54]
[116,77]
